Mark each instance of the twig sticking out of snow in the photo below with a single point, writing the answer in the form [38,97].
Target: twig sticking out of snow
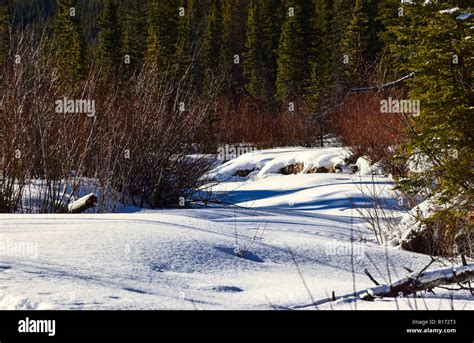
[371,277]
[241,249]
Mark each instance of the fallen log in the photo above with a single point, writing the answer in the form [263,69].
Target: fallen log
[82,204]
[424,281]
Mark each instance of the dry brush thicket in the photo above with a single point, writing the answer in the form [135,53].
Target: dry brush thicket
[135,149]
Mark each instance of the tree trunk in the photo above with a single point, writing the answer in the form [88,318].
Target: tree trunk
[422,281]
[82,204]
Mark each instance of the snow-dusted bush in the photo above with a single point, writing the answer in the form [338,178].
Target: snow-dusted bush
[433,229]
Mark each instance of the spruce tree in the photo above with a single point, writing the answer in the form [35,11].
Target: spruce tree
[162,33]
[185,33]
[90,15]
[4,32]
[110,37]
[133,24]
[294,51]
[191,30]
[389,14]
[320,82]
[437,46]
[341,16]
[233,43]
[68,41]
[374,27]
[355,41]
[213,44]
[260,60]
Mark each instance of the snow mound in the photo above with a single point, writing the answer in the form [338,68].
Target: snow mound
[264,163]
[412,221]
[364,167]
[16,302]
[311,159]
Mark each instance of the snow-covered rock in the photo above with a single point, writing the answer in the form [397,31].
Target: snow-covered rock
[265,163]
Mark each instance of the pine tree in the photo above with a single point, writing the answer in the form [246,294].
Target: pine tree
[162,33]
[389,14]
[90,15]
[294,51]
[184,47]
[110,37]
[68,41]
[4,32]
[355,42]
[133,19]
[213,44]
[191,30]
[233,42]
[374,27]
[341,16]
[320,81]
[260,60]
[437,46]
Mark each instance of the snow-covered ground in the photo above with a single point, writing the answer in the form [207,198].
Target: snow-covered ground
[298,230]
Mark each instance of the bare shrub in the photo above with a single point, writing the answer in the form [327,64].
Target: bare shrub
[35,148]
[368,131]
[378,214]
[261,125]
[135,147]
